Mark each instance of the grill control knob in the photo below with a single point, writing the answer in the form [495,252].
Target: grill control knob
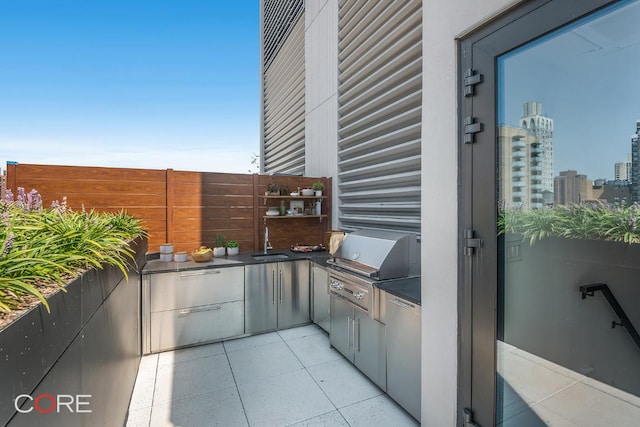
[336,285]
[359,295]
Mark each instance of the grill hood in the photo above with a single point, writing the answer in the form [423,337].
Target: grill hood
[379,254]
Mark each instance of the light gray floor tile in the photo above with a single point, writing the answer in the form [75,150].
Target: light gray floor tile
[185,354]
[139,417]
[537,418]
[313,349]
[343,383]
[332,419]
[191,378]
[218,408]
[299,332]
[587,406]
[257,363]
[142,395]
[283,399]
[253,341]
[379,411]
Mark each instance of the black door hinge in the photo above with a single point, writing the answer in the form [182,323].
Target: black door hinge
[470,129]
[470,81]
[471,243]
[467,415]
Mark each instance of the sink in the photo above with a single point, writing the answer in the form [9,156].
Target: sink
[270,257]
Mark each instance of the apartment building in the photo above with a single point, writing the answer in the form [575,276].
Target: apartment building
[400,102]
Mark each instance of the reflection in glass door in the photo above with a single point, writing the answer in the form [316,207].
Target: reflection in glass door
[568,350]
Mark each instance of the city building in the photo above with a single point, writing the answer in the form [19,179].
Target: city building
[542,128]
[635,164]
[622,170]
[571,187]
[520,168]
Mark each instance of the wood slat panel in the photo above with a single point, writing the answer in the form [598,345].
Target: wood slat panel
[185,208]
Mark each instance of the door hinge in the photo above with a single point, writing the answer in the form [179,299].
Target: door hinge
[467,414]
[470,81]
[471,243]
[470,129]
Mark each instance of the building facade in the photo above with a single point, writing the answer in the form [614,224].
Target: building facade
[635,165]
[384,87]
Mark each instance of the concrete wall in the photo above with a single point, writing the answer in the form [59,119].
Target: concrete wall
[443,22]
[321,91]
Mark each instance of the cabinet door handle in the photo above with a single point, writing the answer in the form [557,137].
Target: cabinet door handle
[198,273]
[401,304]
[349,330]
[280,287]
[200,309]
[273,287]
[356,328]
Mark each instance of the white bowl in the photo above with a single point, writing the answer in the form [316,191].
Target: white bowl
[308,192]
[273,213]
[180,257]
[166,248]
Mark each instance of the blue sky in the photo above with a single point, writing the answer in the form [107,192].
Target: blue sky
[586,78]
[149,84]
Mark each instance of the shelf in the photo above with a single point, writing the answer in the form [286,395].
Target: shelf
[266,217]
[292,197]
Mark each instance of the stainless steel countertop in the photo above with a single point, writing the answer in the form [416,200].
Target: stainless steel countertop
[408,289]
[156,266]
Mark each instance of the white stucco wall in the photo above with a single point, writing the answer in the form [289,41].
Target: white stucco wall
[443,22]
[321,92]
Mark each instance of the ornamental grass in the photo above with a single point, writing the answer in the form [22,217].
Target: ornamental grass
[592,221]
[41,247]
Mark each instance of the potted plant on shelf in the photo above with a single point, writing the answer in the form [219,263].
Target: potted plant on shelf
[233,247]
[219,250]
[273,189]
[318,187]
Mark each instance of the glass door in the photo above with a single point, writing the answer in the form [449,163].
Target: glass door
[555,287]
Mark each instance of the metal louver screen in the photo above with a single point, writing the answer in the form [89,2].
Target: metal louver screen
[279,17]
[379,114]
[283,106]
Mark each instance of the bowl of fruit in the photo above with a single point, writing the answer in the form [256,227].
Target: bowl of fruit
[202,254]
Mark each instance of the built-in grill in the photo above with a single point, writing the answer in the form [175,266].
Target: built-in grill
[369,257]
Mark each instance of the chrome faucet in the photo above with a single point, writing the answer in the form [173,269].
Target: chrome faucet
[267,244]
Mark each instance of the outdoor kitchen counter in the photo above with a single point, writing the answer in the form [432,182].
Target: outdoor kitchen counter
[408,289]
[153,266]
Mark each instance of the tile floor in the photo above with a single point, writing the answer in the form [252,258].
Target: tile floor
[286,378]
[538,392]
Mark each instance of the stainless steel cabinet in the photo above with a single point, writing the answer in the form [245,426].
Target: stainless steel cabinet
[360,338]
[320,292]
[403,326]
[191,307]
[276,295]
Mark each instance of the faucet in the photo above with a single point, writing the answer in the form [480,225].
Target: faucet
[267,244]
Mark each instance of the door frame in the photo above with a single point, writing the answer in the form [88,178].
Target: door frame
[478,259]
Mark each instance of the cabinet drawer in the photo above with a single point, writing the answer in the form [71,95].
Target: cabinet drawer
[170,291]
[175,328]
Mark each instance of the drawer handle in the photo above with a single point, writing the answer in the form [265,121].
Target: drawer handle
[198,273]
[187,311]
[401,304]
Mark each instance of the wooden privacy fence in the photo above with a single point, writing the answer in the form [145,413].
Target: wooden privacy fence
[188,209]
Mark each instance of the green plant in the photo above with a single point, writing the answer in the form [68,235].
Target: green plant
[232,244]
[595,221]
[41,247]
[318,186]
[219,240]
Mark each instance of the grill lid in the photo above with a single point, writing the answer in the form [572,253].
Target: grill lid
[379,254]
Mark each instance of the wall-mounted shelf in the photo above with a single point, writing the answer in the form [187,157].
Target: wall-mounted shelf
[266,217]
[292,197]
